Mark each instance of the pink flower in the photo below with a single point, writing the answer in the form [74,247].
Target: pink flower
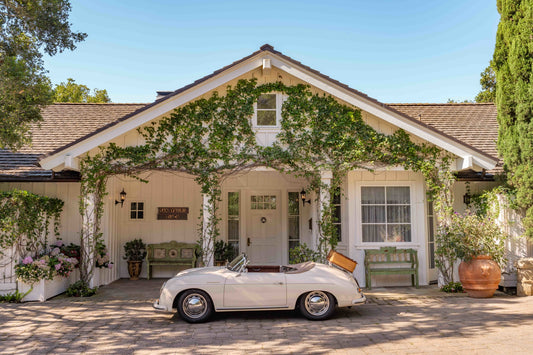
[110,265]
[58,266]
[59,243]
[55,252]
[27,260]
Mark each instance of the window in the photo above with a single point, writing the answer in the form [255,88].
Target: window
[233,222]
[267,111]
[294,220]
[386,214]
[337,216]
[137,210]
[431,235]
[263,202]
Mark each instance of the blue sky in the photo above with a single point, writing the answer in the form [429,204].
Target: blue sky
[394,51]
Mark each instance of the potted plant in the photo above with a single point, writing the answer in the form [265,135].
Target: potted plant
[135,252]
[479,243]
[223,252]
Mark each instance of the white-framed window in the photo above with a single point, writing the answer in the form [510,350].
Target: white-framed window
[337,212]
[263,202]
[137,210]
[294,219]
[268,111]
[234,221]
[386,214]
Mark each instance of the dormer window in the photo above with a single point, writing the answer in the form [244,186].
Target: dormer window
[268,111]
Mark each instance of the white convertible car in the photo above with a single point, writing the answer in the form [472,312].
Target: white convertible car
[314,288]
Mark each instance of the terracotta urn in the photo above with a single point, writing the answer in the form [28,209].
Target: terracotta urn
[480,276]
[134,269]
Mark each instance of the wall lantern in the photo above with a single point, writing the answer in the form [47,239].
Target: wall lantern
[467,199]
[303,196]
[122,198]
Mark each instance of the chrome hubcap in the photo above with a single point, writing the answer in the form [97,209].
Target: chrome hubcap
[194,305]
[317,303]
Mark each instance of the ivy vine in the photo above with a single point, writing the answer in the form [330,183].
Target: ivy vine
[213,138]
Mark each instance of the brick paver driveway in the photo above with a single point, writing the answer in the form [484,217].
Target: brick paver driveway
[121,320]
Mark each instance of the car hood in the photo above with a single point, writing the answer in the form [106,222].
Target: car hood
[200,271]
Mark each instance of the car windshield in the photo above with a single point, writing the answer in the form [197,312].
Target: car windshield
[237,263]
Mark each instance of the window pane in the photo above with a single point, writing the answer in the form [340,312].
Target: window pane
[337,213]
[233,203]
[398,214]
[374,233]
[399,233]
[398,195]
[336,199]
[431,230]
[273,202]
[266,101]
[338,232]
[372,195]
[294,227]
[140,215]
[294,203]
[266,118]
[373,214]
[134,206]
[233,230]
[133,215]
[235,249]
[140,206]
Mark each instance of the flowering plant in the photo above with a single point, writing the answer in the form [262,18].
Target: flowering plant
[102,256]
[45,266]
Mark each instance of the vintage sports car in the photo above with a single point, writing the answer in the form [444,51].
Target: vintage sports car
[314,288]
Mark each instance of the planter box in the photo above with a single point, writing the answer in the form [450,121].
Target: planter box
[44,289]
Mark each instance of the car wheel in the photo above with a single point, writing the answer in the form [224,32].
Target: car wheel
[317,305]
[194,306]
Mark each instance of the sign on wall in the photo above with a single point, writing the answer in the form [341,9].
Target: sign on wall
[172,213]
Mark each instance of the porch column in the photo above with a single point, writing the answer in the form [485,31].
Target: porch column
[323,201]
[207,232]
[88,228]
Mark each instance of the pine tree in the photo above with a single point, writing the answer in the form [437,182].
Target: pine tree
[513,64]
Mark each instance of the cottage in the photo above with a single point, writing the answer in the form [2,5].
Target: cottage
[263,211]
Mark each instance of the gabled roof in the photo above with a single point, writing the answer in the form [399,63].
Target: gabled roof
[95,124]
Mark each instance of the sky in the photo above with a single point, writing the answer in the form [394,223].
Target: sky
[394,51]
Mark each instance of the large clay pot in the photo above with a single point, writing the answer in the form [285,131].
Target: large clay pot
[134,269]
[480,276]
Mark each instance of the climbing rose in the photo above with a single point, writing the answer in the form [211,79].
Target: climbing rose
[27,260]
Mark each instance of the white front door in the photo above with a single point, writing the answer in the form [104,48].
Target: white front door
[263,228]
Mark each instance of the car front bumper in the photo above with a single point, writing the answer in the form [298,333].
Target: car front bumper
[159,307]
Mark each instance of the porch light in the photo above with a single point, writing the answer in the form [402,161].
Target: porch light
[303,196]
[122,198]
[467,199]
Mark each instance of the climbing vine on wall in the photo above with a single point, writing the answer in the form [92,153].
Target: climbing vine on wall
[25,220]
[212,138]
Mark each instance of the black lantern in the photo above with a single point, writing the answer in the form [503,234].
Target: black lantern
[122,198]
[467,199]
[303,196]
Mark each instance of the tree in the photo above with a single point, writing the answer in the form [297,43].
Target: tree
[513,64]
[488,85]
[72,92]
[27,27]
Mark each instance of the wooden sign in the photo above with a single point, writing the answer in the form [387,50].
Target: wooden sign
[175,213]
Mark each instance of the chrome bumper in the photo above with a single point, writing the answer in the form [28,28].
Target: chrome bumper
[158,307]
[359,300]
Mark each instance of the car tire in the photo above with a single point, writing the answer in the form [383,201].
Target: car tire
[317,305]
[195,306]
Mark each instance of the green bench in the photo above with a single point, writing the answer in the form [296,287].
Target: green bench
[170,253]
[391,261]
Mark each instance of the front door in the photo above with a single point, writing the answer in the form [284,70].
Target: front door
[263,228]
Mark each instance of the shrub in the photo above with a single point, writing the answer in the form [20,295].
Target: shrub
[452,287]
[81,289]
[135,250]
[302,253]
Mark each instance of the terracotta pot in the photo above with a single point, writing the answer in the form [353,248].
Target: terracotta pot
[480,276]
[134,269]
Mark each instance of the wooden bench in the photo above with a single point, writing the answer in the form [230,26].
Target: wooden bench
[170,253]
[391,261]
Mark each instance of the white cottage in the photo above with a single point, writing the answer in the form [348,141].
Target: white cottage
[255,212]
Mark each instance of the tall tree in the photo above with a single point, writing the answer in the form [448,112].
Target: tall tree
[72,92]
[28,28]
[488,85]
[513,64]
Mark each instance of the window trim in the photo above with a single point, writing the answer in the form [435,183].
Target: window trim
[415,238]
[144,210]
[279,103]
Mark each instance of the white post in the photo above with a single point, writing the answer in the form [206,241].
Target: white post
[207,232]
[88,224]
